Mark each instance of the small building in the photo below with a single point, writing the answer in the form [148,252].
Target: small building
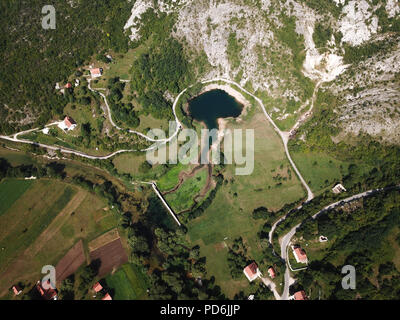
[68,85]
[96,72]
[251,297]
[271,272]
[251,272]
[300,295]
[338,189]
[68,124]
[77,82]
[17,290]
[107,297]
[97,287]
[323,239]
[30,178]
[47,294]
[299,255]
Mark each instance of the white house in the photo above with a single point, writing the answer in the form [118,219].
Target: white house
[339,189]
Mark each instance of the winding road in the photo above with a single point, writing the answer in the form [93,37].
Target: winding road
[285,242]
[283,135]
[178,123]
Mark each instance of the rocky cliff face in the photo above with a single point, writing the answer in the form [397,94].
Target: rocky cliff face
[283,49]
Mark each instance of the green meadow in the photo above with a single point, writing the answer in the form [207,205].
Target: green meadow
[272,184]
[10,191]
[128,283]
[184,197]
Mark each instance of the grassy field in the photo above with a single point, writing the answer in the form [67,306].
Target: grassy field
[184,197]
[148,122]
[85,216]
[272,184]
[320,170]
[271,175]
[16,158]
[129,163]
[120,66]
[128,283]
[81,114]
[171,178]
[10,191]
[43,224]
[28,217]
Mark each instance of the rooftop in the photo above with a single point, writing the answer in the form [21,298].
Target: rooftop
[107,297]
[300,295]
[251,271]
[300,254]
[97,287]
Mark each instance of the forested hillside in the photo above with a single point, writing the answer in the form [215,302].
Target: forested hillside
[34,59]
[364,234]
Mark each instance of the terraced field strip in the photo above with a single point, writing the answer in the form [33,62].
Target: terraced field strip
[10,191]
[111,256]
[57,223]
[104,239]
[22,225]
[21,235]
[68,265]
[109,250]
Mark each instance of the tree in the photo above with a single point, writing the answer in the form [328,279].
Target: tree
[145,167]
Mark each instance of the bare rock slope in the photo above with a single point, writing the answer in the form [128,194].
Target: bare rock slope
[274,48]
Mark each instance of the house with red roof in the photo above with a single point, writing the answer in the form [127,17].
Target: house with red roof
[107,297]
[68,85]
[251,272]
[17,290]
[271,272]
[96,72]
[300,295]
[48,293]
[97,287]
[67,124]
[299,254]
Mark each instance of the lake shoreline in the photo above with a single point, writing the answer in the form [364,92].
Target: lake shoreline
[230,91]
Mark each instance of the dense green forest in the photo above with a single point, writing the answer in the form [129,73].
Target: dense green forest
[34,59]
[123,113]
[153,75]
